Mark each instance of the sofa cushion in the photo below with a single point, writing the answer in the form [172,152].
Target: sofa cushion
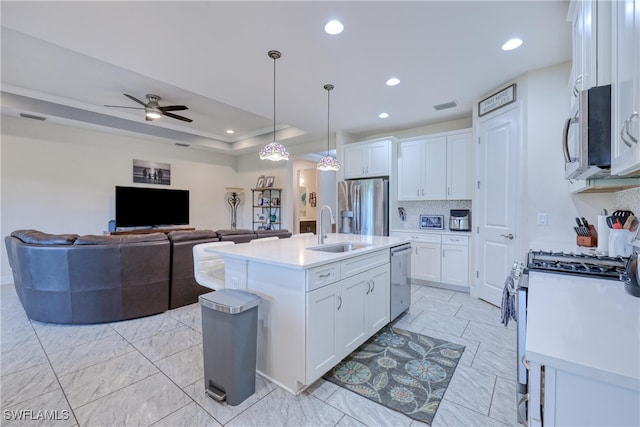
[229,231]
[283,234]
[185,236]
[35,237]
[106,239]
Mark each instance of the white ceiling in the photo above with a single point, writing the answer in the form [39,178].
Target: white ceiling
[66,60]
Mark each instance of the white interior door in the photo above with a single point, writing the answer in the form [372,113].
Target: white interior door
[497,208]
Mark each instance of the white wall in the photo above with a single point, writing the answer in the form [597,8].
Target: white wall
[546,96]
[60,179]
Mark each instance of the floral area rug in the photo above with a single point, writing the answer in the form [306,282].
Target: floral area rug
[401,370]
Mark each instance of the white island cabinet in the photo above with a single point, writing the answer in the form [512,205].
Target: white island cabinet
[583,352]
[316,307]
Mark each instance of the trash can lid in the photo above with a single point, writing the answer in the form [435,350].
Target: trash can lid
[230,301]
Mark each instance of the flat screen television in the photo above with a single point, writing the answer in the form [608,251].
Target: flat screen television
[151,207]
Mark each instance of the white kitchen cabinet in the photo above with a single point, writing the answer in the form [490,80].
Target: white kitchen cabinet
[625,87]
[367,159]
[439,257]
[455,260]
[378,300]
[591,39]
[459,166]
[425,263]
[435,167]
[344,314]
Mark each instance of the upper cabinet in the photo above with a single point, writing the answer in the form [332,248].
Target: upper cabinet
[435,167]
[591,40]
[367,159]
[625,87]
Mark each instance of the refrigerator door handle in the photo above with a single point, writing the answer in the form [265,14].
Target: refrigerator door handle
[356,208]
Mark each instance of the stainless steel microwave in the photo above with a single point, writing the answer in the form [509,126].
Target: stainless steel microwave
[587,135]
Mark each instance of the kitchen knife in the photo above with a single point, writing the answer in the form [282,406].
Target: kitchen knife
[584,222]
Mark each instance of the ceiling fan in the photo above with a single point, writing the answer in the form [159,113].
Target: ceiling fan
[153,110]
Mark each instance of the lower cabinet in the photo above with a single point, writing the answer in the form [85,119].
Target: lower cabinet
[343,315]
[562,397]
[442,258]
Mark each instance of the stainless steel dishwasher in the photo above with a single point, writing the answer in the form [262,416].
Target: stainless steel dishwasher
[400,279]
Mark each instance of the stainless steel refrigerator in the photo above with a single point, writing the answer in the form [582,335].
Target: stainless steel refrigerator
[363,207]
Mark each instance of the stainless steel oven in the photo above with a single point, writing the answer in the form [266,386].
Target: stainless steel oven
[400,279]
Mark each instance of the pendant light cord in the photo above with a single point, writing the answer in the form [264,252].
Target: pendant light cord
[274,98]
[328,109]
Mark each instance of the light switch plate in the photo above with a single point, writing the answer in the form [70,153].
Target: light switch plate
[542,219]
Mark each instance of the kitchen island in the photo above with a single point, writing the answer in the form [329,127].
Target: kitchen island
[583,348]
[317,306]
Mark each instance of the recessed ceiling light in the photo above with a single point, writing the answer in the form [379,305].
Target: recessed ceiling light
[383,115]
[333,27]
[512,44]
[230,131]
[392,81]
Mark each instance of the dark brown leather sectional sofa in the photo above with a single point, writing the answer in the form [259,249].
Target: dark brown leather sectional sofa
[67,278]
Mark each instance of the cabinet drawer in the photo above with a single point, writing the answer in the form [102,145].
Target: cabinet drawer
[362,263]
[318,277]
[455,240]
[429,238]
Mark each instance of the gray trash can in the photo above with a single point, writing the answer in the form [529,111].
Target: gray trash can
[229,336]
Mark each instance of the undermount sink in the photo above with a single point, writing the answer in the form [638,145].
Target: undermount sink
[339,247]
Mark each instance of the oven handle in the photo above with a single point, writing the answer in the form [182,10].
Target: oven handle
[522,416]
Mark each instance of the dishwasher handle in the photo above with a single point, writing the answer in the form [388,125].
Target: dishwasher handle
[401,251]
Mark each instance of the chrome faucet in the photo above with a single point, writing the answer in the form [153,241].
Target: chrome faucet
[321,235]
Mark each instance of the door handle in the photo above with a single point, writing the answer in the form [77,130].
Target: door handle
[565,138]
[373,285]
[368,287]
[508,236]
[339,302]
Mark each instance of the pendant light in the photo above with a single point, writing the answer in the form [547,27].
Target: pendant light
[328,163]
[274,151]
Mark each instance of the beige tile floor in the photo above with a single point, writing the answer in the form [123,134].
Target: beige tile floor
[149,371]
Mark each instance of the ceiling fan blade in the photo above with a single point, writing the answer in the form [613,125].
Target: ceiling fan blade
[175,116]
[122,106]
[173,108]
[135,99]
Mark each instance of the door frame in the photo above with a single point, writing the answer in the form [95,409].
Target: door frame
[520,179]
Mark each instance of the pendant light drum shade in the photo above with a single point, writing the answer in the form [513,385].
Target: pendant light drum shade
[328,163]
[274,151]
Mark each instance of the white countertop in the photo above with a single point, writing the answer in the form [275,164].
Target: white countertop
[584,325]
[293,252]
[418,231]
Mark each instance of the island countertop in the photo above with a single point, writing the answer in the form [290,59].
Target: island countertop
[295,252]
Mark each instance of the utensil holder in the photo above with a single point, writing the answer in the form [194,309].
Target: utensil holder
[588,241]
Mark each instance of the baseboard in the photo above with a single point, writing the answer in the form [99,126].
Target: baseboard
[456,288]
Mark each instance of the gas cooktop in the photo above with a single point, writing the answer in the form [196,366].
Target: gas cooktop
[576,263]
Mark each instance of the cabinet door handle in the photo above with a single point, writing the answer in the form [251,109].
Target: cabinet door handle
[417,192]
[629,120]
[324,275]
[448,191]
[368,287]
[443,253]
[624,131]
[423,191]
[339,302]
[373,285]
[575,86]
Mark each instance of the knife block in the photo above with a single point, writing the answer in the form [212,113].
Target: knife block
[588,241]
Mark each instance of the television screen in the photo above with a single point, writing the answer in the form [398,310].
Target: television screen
[148,207]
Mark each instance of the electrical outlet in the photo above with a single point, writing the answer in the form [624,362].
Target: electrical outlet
[542,219]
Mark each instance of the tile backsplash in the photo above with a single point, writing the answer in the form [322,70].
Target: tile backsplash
[414,209]
[628,200]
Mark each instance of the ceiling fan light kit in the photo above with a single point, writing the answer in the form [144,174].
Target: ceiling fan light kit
[152,110]
[328,163]
[274,151]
